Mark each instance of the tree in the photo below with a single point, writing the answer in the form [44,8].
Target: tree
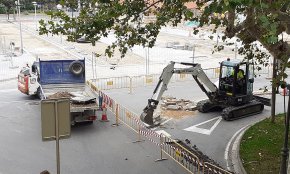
[8,4]
[262,27]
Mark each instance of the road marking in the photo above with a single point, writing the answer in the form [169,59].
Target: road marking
[194,128]
[17,101]
[8,90]
[166,121]
[163,123]
[226,155]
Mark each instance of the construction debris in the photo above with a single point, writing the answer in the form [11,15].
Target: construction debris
[175,108]
[171,103]
[60,95]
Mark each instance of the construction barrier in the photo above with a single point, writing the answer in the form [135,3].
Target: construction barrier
[152,79]
[168,146]
[145,80]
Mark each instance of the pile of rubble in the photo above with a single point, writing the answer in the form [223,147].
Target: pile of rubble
[176,108]
[60,95]
[171,103]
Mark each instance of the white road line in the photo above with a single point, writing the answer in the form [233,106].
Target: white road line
[17,101]
[226,155]
[166,121]
[194,128]
[7,90]
[163,123]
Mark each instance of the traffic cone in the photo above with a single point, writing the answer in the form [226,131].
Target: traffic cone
[104,113]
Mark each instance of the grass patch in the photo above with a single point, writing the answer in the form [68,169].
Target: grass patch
[261,145]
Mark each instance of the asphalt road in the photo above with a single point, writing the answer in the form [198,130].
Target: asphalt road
[96,148]
[211,137]
[101,148]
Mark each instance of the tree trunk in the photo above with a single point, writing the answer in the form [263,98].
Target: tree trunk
[273,100]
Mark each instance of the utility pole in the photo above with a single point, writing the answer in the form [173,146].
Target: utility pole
[285,150]
[20,28]
[35,4]
[236,50]
[274,86]
[193,52]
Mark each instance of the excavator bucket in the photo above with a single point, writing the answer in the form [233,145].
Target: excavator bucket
[147,115]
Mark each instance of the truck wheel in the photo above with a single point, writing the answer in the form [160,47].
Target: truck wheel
[76,67]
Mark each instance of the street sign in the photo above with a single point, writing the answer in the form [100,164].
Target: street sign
[53,112]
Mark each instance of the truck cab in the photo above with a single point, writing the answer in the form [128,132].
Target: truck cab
[28,79]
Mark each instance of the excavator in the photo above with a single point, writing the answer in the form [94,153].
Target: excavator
[233,95]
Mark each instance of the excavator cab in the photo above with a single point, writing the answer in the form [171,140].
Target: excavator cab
[236,81]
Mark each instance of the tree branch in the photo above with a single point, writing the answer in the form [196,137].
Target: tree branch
[232,30]
[151,5]
[285,7]
[283,17]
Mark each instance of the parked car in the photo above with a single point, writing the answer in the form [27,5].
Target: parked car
[83,39]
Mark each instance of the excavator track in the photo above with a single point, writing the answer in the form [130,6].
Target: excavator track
[205,106]
[236,112]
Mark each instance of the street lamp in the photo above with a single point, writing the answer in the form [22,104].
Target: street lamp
[17,3]
[35,4]
[59,7]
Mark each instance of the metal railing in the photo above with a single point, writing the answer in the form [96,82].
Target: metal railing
[145,80]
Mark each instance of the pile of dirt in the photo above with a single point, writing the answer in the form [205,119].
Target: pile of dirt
[176,114]
[60,95]
[176,108]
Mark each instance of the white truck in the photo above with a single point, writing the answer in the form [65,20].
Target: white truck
[61,79]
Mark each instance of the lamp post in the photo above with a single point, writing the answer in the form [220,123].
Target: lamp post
[193,52]
[20,28]
[59,7]
[35,4]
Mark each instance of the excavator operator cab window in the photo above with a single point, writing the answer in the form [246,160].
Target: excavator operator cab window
[241,87]
[226,80]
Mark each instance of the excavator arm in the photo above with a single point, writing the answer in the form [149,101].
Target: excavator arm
[194,69]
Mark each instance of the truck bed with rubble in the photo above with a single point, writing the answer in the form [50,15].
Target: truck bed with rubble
[55,79]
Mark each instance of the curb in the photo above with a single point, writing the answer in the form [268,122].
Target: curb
[232,156]
[235,153]
[233,160]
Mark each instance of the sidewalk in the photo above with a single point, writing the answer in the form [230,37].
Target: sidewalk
[11,65]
